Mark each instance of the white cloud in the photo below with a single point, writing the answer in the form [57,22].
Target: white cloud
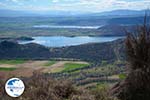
[102,5]
[55,1]
[13,0]
[81,5]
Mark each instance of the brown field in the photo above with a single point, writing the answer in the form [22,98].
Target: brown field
[26,69]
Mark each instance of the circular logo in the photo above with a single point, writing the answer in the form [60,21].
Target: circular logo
[14,87]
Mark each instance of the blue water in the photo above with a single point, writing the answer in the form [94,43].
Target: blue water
[66,27]
[60,41]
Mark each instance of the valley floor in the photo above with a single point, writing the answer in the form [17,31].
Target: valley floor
[83,74]
[26,69]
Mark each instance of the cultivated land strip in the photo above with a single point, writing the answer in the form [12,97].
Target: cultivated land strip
[26,69]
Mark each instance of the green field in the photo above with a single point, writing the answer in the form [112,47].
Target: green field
[50,63]
[7,69]
[72,66]
[12,62]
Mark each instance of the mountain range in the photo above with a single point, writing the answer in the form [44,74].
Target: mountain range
[19,13]
[124,12]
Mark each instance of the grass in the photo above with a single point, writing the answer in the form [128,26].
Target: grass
[122,76]
[50,63]
[12,62]
[102,85]
[57,70]
[72,66]
[7,69]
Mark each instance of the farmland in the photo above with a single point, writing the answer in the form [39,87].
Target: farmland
[79,72]
[28,66]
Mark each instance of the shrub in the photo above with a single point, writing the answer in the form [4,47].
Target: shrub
[136,85]
[43,87]
[101,93]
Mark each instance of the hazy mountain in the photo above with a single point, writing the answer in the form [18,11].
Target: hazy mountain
[124,12]
[121,13]
[17,13]
[129,20]
[14,13]
[116,13]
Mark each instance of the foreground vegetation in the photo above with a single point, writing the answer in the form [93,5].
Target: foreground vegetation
[136,84]
[41,87]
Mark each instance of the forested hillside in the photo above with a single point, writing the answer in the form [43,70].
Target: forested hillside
[96,52]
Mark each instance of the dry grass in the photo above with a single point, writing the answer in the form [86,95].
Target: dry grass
[42,87]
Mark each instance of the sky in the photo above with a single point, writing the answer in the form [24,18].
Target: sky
[74,5]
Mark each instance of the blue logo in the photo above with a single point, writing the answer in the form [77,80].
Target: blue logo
[14,87]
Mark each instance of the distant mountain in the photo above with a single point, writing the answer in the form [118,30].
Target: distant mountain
[128,20]
[114,13]
[14,13]
[124,12]
[17,13]
[121,13]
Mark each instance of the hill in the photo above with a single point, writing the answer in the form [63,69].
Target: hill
[12,50]
[128,20]
[114,30]
[95,53]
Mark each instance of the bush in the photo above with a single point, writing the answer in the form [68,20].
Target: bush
[42,87]
[136,85]
[101,92]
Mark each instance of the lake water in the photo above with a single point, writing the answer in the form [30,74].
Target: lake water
[60,41]
[66,27]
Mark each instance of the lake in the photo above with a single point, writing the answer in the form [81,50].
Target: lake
[60,41]
[66,27]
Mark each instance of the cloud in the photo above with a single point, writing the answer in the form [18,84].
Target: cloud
[2,4]
[103,5]
[13,1]
[55,1]
[79,5]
